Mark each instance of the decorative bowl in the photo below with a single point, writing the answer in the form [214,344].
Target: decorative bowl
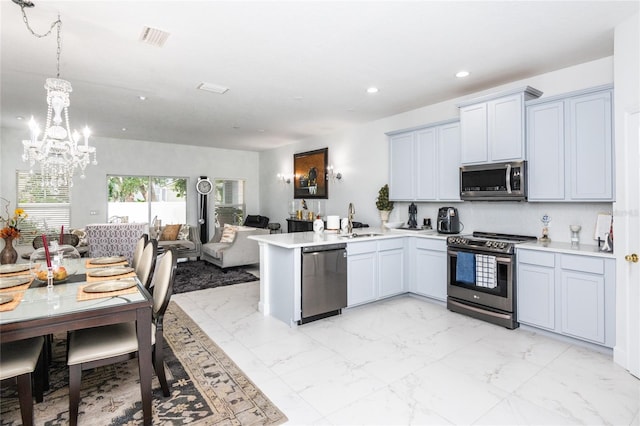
[393,225]
[64,262]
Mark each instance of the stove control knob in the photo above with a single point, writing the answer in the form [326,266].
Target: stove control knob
[503,245]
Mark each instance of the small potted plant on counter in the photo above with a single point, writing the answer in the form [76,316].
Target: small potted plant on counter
[383,204]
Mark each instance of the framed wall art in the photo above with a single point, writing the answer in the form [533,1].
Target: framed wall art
[310,171]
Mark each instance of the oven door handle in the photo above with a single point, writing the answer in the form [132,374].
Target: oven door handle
[508,178]
[499,259]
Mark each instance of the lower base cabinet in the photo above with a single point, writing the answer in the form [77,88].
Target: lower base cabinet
[375,270]
[429,268]
[573,295]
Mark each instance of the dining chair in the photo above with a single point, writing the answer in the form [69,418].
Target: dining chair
[147,263]
[99,346]
[19,359]
[69,239]
[137,253]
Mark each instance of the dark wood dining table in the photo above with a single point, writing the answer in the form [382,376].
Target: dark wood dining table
[45,311]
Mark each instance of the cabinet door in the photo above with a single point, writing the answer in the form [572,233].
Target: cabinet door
[401,172]
[473,131]
[589,137]
[545,147]
[583,305]
[506,128]
[431,273]
[391,267]
[362,278]
[536,295]
[426,164]
[449,162]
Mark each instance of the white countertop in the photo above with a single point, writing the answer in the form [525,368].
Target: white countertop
[304,239]
[567,248]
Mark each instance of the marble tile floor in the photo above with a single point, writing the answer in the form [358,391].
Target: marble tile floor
[409,361]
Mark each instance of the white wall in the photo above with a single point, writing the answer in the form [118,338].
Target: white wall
[121,157]
[361,154]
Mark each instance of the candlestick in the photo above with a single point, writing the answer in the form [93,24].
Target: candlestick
[46,250]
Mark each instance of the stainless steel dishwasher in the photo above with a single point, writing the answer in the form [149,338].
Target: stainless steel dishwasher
[324,281]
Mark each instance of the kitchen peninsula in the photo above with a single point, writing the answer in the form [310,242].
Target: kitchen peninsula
[378,267]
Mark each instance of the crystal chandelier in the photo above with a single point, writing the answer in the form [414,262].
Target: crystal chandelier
[57,151]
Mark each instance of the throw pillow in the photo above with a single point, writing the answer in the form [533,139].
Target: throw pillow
[170,233]
[184,232]
[82,235]
[228,233]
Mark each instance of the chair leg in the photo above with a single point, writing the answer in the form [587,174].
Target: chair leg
[158,363]
[40,377]
[75,376]
[26,399]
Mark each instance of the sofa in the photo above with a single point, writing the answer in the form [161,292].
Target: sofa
[185,239]
[228,248]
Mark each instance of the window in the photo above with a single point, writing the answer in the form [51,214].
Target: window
[48,209]
[229,201]
[141,198]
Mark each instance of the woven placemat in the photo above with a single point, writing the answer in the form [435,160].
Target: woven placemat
[17,298]
[89,265]
[82,296]
[20,287]
[114,277]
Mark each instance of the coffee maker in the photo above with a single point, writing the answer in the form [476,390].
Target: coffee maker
[448,220]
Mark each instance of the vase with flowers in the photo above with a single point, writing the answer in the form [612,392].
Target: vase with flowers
[10,231]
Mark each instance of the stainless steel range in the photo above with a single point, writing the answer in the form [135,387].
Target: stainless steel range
[481,276]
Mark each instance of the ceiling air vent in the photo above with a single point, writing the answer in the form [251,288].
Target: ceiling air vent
[154,36]
[209,87]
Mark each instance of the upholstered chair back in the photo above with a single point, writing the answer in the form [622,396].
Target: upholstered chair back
[163,282]
[147,263]
[137,253]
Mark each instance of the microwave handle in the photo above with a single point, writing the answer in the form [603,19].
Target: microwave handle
[508,178]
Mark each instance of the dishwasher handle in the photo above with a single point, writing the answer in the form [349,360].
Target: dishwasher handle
[324,247]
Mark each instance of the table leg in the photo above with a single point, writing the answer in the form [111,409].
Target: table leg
[143,328]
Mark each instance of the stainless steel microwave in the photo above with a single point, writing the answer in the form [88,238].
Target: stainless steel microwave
[494,182]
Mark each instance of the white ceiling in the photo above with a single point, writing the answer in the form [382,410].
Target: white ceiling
[293,69]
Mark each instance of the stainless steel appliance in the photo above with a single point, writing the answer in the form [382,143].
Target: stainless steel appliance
[448,221]
[324,281]
[494,182]
[481,276]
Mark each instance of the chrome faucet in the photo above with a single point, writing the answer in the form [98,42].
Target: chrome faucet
[352,211]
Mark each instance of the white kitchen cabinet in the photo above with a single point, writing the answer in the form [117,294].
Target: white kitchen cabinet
[573,295]
[570,147]
[391,267]
[536,289]
[375,270]
[493,127]
[362,272]
[583,298]
[424,163]
[429,268]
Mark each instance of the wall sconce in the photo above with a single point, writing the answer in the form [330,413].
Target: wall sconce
[332,174]
[284,178]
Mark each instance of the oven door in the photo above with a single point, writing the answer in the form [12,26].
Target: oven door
[500,297]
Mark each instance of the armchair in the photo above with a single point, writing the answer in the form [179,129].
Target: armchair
[256,221]
[241,251]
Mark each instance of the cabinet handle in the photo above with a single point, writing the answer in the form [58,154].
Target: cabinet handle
[631,258]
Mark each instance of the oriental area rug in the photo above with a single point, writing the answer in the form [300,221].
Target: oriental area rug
[207,387]
[199,274]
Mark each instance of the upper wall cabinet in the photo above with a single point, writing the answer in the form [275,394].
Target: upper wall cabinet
[493,127]
[424,163]
[570,147]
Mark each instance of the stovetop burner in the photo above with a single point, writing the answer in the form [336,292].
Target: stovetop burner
[488,241]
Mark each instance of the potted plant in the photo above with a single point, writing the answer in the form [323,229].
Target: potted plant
[383,204]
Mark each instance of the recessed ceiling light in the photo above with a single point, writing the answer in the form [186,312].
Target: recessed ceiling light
[372,90]
[124,129]
[142,98]
[19,117]
[215,88]
[462,74]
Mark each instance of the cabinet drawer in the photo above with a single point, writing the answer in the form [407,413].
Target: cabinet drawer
[537,258]
[362,247]
[431,244]
[582,264]
[396,243]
